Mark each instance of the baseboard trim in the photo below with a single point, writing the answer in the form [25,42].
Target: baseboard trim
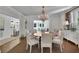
[70,42]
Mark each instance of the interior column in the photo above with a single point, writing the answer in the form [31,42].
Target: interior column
[22,26]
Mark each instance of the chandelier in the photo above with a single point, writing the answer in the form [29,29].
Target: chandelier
[43,15]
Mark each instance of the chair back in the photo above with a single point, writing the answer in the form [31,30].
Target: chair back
[58,38]
[47,38]
[29,37]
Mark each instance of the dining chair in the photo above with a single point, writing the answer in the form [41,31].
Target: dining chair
[46,41]
[58,40]
[31,41]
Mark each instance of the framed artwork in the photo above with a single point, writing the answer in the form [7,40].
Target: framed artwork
[1,23]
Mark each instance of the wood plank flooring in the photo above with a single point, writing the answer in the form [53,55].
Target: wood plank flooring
[67,48]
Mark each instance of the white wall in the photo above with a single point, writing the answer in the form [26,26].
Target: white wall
[1,25]
[30,20]
[8,31]
[22,25]
[46,24]
[1,22]
[7,28]
[56,21]
[74,17]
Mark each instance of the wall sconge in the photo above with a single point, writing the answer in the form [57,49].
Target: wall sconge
[67,24]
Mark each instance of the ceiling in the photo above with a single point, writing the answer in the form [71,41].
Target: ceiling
[9,11]
[35,10]
[17,11]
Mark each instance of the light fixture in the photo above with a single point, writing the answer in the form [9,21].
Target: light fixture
[44,15]
[66,22]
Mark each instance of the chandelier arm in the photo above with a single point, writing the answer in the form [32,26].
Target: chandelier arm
[44,15]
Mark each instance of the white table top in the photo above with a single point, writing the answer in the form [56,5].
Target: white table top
[40,33]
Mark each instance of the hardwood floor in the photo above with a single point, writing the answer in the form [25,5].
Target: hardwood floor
[70,47]
[67,48]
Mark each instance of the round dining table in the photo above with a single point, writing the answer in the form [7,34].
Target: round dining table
[39,35]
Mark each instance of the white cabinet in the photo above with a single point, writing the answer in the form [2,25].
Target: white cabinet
[72,36]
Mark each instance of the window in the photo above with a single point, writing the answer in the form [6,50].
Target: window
[40,25]
[34,24]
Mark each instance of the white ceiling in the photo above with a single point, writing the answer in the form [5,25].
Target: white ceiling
[17,11]
[35,10]
[9,11]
